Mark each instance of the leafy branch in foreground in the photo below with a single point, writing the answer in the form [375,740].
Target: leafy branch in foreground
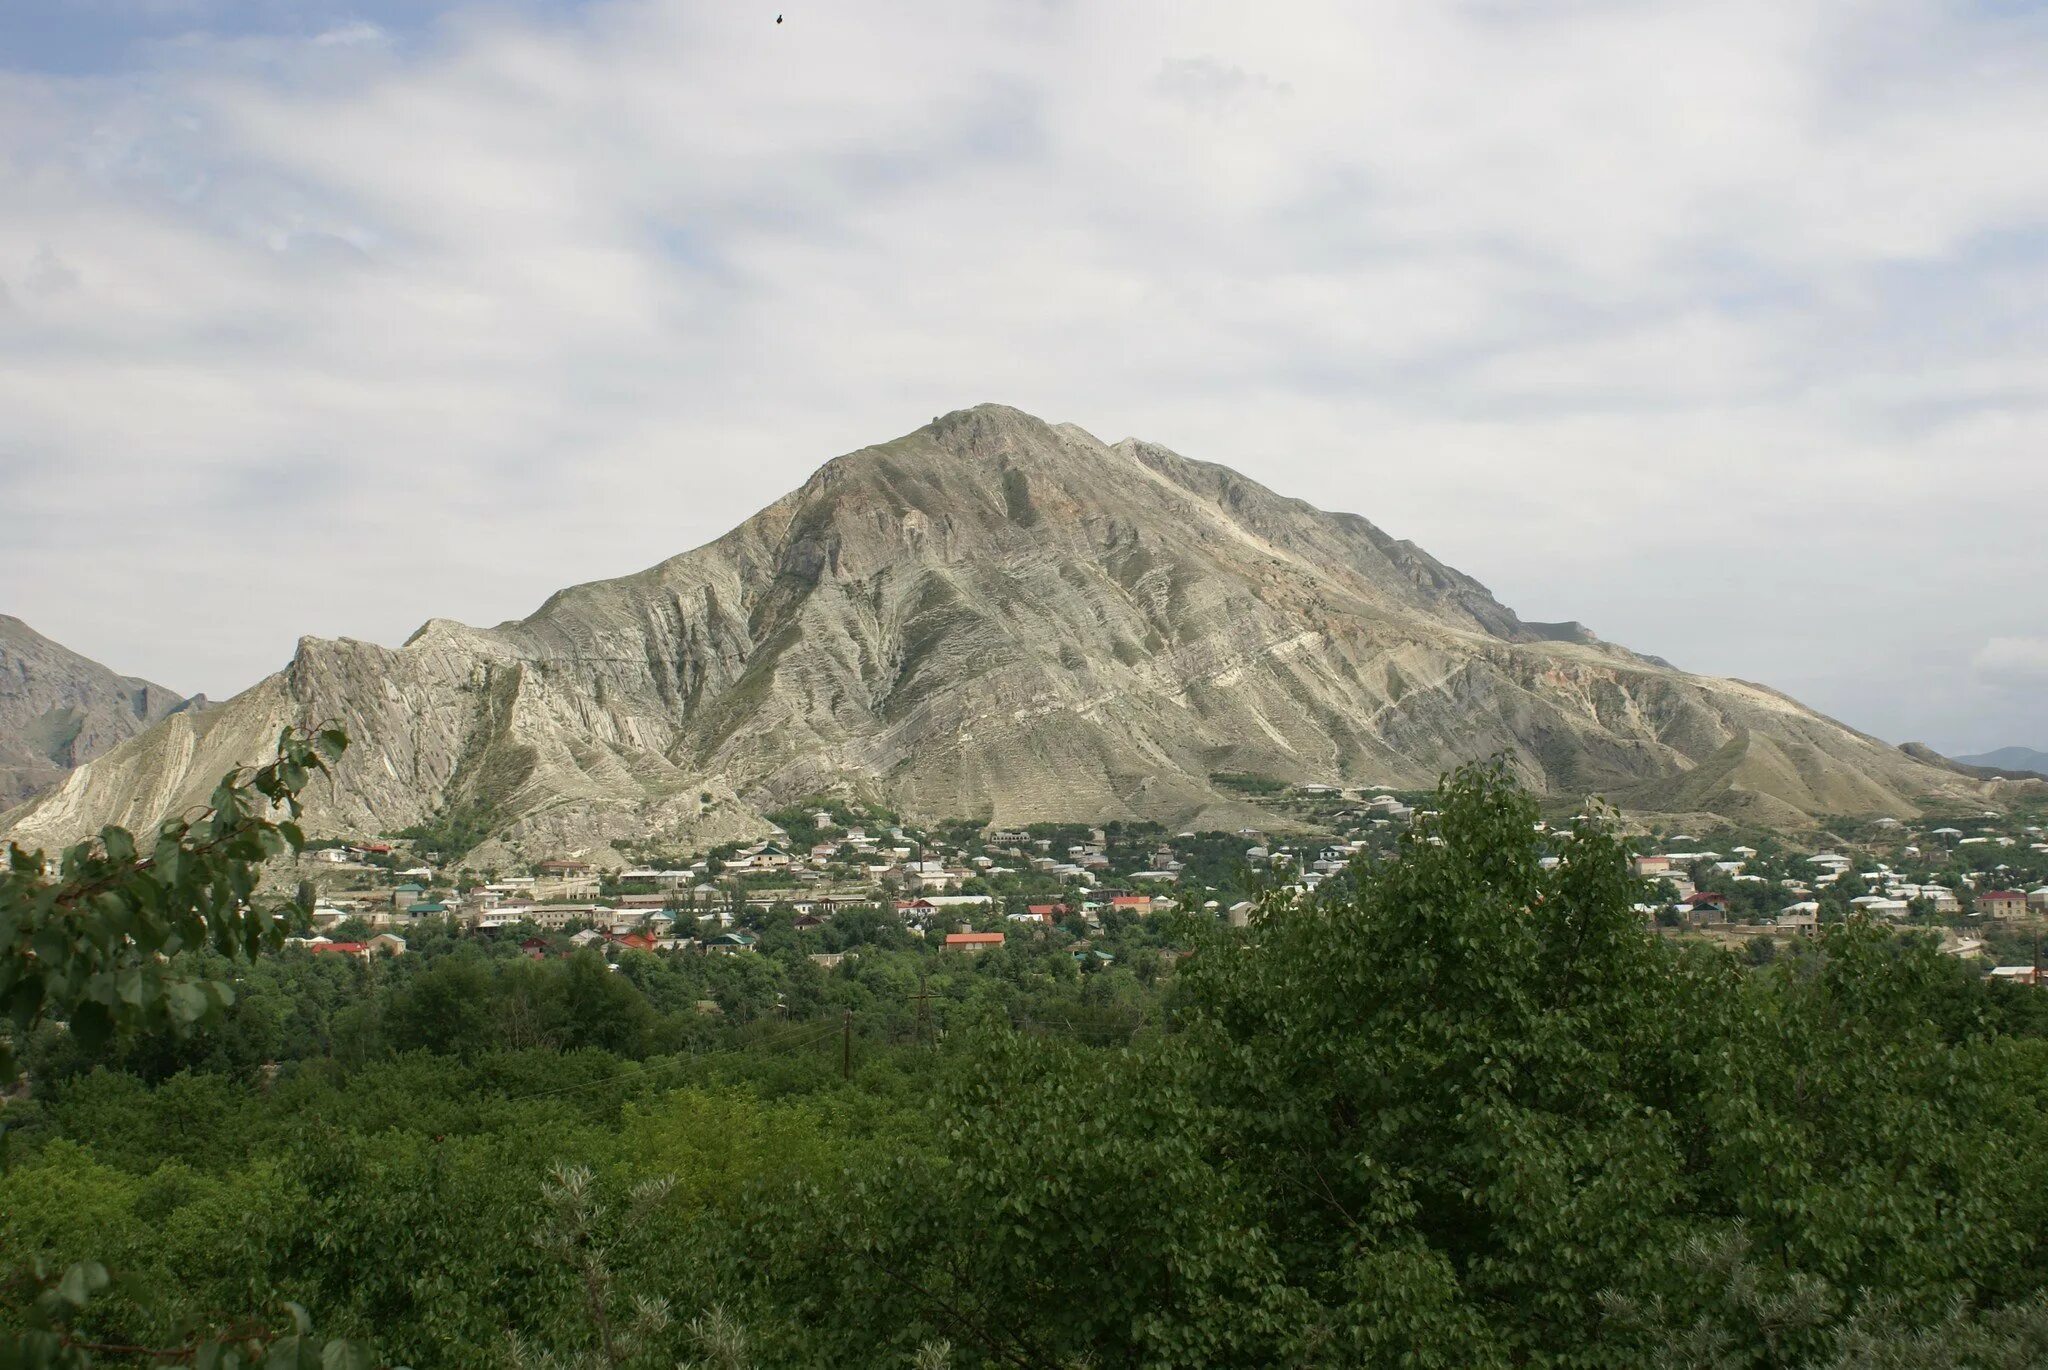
[52,1339]
[580,1234]
[90,937]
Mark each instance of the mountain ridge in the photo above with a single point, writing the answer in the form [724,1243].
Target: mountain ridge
[2027,760]
[997,618]
[59,709]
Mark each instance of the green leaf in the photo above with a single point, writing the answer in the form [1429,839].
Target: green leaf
[91,1024]
[187,1002]
[290,1353]
[346,1355]
[80,1282]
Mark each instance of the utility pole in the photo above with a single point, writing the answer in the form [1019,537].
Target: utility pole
[922,997]
[846,1048]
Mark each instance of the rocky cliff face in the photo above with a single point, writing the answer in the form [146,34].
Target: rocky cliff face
[59,710]
[999,618]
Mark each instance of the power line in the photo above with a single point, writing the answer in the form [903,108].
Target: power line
[776,1037]
[806,1034]
[636,1072]
[811,1040]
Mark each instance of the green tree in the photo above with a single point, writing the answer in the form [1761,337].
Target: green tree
[107,937]
[95,936]
[450,1006]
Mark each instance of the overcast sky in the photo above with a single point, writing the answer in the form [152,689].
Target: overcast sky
[1720,327]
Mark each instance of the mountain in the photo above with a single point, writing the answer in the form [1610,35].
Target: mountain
[59,709]
[998,618]
[2010,759]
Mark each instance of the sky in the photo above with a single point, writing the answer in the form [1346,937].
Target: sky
[1722,328]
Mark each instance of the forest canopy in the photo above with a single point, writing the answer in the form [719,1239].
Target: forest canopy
[1466,1109]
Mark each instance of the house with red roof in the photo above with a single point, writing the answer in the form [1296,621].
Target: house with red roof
[972,942]
[1040,913]
[322,946]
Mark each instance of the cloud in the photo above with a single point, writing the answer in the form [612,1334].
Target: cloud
[350,34]
[1719,327]
[1208,86]
[48,275]
[2016,662]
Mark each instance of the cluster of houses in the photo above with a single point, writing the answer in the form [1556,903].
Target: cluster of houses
[941,888]
[930,883]
[382,944]
[1898,875]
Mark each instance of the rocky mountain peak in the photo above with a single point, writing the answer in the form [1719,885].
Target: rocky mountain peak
[59,709]
[995,617]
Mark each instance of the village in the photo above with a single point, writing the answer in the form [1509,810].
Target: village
[958,886]
[1979,883]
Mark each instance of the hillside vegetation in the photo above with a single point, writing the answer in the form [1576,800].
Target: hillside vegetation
[1462,1110]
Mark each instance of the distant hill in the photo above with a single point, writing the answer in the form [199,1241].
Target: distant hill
[998,618]
[2010,759]
[59,710]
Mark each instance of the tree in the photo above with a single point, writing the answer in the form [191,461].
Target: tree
[448,1007]
[95,936]
[578,1234]
[106,939]
[596,1008]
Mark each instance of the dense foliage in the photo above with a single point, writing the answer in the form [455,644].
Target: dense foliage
[110,938]
[1463,1110]
[96,936]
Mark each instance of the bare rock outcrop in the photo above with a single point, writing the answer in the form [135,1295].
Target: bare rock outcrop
[998,618]
[59,710]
